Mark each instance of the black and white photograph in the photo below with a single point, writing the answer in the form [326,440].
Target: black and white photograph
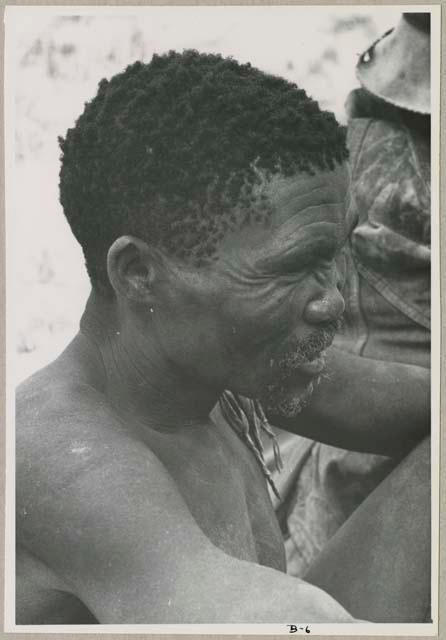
[222,390]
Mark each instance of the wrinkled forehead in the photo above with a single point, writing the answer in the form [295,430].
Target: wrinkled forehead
[303,211]
[320,197]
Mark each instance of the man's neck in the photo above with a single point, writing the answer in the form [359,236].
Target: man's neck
[139,380]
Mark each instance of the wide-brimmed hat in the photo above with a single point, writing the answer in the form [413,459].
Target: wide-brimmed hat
[396,67]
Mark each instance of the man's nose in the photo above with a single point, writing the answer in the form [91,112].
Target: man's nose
[327,307]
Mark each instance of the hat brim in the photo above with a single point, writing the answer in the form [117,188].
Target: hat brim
[396,68]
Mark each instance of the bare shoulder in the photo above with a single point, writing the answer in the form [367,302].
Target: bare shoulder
[59,419]
[76,461]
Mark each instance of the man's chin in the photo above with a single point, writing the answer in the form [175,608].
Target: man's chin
[287,402]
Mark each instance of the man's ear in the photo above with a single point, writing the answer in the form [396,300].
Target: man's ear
[131,268]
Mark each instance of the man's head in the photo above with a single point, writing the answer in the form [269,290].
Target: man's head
[190,182]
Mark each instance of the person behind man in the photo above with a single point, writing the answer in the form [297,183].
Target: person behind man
[387,288]
[209,199]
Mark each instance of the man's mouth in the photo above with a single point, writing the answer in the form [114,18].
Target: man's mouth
[315,354]
[305,356]
[315,366]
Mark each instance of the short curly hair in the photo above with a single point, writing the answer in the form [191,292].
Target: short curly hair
[167,151]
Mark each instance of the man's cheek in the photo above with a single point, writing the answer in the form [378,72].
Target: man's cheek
[268,320]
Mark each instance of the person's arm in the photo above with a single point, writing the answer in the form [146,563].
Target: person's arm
[102,512]
[366,405]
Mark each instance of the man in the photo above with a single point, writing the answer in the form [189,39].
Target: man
[209,200]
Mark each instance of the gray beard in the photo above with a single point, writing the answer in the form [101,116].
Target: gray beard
[283,402]
[279,398]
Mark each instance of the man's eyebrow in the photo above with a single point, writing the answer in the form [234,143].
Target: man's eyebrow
[315,249]
[284,199]
[299,202]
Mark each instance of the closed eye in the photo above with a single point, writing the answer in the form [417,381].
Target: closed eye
[295,255]
[320,258]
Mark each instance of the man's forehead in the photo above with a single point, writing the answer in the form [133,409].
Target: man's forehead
[289,195]
[300,206]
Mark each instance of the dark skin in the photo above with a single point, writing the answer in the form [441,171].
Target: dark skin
[368,425]
[157,513]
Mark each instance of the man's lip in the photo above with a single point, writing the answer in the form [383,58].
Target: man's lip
[315,366]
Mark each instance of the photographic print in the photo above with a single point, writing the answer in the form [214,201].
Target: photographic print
[223,411]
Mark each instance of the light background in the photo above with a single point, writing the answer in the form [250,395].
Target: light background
[58,62]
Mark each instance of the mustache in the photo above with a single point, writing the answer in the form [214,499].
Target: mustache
[306,349]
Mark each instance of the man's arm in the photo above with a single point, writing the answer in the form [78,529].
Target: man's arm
[102,512]
[366,405]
